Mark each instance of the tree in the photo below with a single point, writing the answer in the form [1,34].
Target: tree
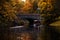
[49,12]
[7,14]
[27,8]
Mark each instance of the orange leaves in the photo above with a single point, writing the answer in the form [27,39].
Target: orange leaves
[27,6]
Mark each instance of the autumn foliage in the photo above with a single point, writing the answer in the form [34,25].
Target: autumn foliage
[7,14]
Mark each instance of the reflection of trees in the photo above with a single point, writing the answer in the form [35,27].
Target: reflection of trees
[26,36]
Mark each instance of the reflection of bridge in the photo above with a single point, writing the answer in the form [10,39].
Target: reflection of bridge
[32,16]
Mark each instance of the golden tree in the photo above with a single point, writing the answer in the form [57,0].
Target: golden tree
[45,5]
[7,13]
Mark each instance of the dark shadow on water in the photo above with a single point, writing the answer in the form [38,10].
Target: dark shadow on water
[52,33]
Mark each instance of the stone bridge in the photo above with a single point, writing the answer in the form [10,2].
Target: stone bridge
[31,16]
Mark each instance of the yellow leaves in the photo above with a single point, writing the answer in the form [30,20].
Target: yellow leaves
[49,7]
[8,11]
[45,5]
[42,5]
[13,2]
[6,5]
